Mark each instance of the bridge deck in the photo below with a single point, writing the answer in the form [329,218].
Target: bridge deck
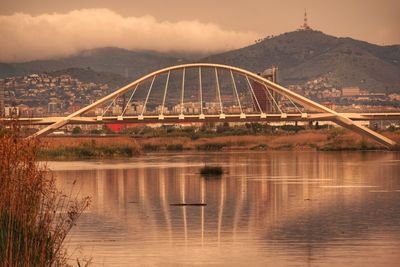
[208,118]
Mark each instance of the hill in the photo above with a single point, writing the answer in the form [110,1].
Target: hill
[131,64]
[88,75]
[301,56]
[305,55]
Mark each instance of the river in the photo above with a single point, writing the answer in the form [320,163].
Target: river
[267,209]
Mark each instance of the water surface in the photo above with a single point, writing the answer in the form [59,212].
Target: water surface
[268,209]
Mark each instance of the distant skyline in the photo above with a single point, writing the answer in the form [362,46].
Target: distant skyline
[32,30]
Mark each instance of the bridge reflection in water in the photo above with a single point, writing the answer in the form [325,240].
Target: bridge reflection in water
[268,208]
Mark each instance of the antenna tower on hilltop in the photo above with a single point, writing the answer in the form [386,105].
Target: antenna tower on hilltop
[305,26]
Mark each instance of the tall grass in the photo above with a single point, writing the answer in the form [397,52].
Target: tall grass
[35,217]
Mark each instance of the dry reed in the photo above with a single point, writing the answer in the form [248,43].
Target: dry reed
[326,139]
[35,217]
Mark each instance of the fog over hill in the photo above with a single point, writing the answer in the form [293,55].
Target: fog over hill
[130,64]
[300,56]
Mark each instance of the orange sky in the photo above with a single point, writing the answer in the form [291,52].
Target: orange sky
[204,26]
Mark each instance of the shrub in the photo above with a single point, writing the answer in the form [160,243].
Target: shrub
[194,136]
[77,130]
[292,128]
[96,131]
[211,170]
[363,145]
[210,146]
[175,147]
[151,147]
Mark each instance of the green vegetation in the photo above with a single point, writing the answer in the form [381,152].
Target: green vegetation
[151,147]
[292,128]
[211,146]
[211,171]
[396,148]
[359,146]
[87,151]
[35,217]
[207,130]
[392,128]
[77,130]
[175,147]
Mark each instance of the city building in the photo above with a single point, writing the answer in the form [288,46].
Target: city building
[263,99]
[351,91]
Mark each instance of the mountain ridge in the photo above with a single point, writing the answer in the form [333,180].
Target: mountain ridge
[306,55]
[300,56]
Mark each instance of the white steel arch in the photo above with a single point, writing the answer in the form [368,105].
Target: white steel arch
[338,118]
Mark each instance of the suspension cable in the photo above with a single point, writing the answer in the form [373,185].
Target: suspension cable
[183,89]
[253,94]
[148,94]
[201,92]
[294,104]
[219,91]
[108,107]
[130,98]
[272,97]
[165,93]
[236,92]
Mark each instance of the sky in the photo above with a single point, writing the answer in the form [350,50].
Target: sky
[42,29]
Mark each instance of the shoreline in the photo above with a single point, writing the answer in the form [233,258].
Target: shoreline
[109,147]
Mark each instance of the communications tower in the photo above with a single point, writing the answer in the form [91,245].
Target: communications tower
[305,26]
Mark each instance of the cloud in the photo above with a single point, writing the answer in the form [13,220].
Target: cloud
[25,37]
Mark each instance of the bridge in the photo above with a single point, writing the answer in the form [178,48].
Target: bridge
[205,92]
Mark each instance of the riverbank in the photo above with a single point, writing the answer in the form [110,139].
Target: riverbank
[73,147]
